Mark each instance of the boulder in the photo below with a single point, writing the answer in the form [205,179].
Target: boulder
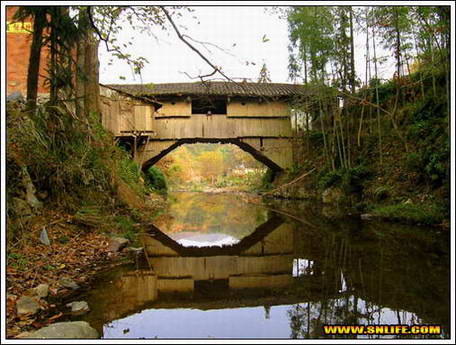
[30,190]
[68,283]
[117,243]
[332,195]
[41,291]
[78,308]
[27,305]
[44,237]
[65,330]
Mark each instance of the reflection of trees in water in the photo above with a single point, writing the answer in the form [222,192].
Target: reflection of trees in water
[211,213]
[306,321]
[343,276]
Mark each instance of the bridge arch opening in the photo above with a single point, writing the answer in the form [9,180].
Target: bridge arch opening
[206,159]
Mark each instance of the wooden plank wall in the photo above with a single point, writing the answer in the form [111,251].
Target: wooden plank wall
[121,113]
[180,107]
[220,267]
[255,109]
[221,126]
[174,108]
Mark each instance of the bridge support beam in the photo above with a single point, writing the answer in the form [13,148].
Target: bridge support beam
[275,153]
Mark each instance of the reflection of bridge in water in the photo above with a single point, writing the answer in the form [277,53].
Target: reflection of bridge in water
[253,272]
[264,259]
[279,264]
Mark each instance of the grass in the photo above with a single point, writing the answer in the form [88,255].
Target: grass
[18,261]
[430,214]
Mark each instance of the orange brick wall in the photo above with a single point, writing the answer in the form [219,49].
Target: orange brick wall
[17,59]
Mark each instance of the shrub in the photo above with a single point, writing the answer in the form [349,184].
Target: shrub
[382,193]
[126,226]
[129,170]
[268,177]
[315,137]
[353,179]
[155,179]
[329,179]
[62,155]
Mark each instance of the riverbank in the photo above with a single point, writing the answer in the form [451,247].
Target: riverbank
[70,192]
[64,267]
[402,210]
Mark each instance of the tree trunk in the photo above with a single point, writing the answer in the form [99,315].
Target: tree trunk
[35,57]
[91,68]
[352,54]
[80,65]
[380,150]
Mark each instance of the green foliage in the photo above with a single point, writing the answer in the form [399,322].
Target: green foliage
[155,179]
[329,179]
[310,32]
[129,170]
[268,177]
[315,137]
[386,90]
[63,239]
[63,155]
[206,164]
[410,213]
[353,179]
[350,180]
[18,261]
[90,216]
[295,170]
[126,226]
[382,193]
[429,132]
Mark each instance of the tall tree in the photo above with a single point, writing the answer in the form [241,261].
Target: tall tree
[38,15]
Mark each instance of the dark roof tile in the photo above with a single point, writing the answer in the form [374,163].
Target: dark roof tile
[212,88]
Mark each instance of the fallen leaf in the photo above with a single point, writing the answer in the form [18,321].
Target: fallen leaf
[56,316]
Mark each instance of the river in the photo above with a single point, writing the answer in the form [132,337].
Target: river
[226,265]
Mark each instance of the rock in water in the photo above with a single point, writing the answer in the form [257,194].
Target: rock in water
[27,305]
[65,330]
[44,237]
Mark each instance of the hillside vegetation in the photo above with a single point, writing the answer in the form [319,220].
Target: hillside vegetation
[380,146]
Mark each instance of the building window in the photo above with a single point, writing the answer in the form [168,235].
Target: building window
[209,106]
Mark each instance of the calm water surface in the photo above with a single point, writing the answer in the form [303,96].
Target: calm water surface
[221,267]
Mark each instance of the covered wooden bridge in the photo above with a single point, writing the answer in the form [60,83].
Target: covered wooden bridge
[155,119]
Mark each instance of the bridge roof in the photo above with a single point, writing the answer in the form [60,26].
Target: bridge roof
[218,88]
